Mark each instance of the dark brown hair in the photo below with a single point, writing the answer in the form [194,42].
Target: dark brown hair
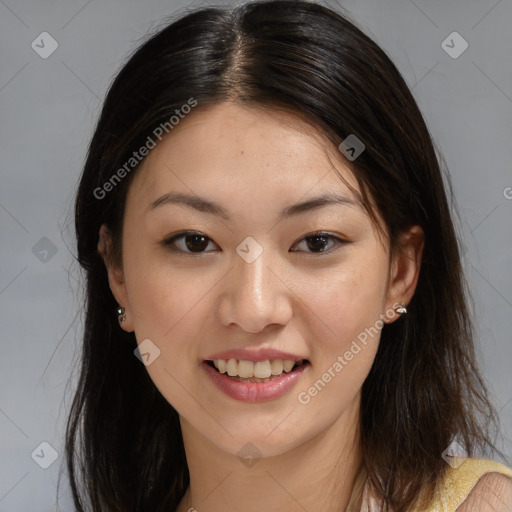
[424,387]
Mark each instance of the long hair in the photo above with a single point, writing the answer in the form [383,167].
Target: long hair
[124,447]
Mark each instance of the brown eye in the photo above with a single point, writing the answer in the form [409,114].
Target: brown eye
[318,241]
[190,242]
[193,243]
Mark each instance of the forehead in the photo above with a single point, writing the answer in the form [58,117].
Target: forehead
[229,148]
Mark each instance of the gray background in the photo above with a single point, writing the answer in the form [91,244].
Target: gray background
[48,108]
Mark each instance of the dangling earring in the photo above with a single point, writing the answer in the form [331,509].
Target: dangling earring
[121,315]
[401,309]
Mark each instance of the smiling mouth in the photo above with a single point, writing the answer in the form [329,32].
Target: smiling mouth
[262,371]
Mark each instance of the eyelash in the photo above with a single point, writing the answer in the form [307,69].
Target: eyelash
[169,241]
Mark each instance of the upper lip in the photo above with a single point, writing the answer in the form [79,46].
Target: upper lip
[254,355]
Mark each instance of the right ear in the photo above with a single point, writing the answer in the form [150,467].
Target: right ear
[115,276]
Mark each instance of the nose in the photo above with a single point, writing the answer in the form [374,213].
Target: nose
[255,295]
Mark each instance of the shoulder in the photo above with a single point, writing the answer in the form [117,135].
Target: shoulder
[491,493]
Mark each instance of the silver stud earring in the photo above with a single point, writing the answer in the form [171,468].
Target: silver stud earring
[121,315]
[401,309]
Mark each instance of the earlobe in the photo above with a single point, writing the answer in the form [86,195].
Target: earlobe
[405,270]
[115,277]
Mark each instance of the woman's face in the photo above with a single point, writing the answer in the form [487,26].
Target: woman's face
[255,281]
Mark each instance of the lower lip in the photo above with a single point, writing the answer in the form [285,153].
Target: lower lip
[254,391]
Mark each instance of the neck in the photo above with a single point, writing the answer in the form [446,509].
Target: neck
[318,474]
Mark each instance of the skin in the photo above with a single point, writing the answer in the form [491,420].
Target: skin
[314,304]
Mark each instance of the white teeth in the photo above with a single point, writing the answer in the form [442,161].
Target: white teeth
[232,368]
[262,369]
[288,365]
[249,369]
[277,366]
[245,369]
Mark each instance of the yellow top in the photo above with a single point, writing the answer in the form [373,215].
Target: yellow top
[460,479]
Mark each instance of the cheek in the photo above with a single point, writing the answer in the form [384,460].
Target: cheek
[350,297]
[160,294]
[345,320]
[169,307]
[165,301]
[345,324]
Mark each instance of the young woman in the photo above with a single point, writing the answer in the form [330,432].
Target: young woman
[276,312]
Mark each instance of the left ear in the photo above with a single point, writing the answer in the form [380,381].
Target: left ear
[405,269]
